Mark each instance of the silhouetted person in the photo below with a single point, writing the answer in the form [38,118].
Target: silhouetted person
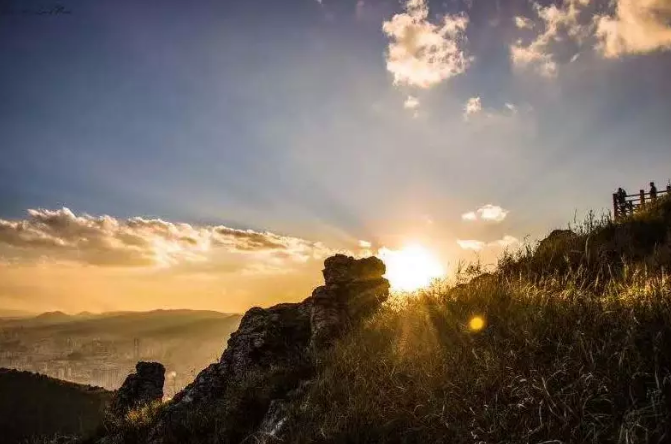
[653,191]
[622,200]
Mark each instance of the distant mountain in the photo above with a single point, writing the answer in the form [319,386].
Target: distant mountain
[53,316]
[34,406]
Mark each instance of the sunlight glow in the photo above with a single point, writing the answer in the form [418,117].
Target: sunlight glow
[411,267]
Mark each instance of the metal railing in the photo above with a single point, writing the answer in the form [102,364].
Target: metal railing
[635,202]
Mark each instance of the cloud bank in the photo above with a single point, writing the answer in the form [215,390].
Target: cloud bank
[139,242]
[614,28]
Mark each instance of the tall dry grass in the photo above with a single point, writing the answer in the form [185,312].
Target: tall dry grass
[576,348]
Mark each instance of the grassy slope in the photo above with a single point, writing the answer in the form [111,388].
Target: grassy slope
[33,405]
[576,348]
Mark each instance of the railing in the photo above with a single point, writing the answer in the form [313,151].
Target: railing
[634,202]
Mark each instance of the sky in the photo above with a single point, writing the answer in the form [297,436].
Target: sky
[211,155]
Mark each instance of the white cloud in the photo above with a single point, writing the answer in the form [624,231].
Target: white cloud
[523,23]
[636,27]
[473,106]
[533,56]
[470,216]
[411,103]
[505,242]
[421,53]
[617,27]
[471,244]
[364,244]
[491,213]
[557,21]
[478,245]
[512,108]
[105,240]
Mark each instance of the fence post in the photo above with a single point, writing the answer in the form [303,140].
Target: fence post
[616,209]
[642,195]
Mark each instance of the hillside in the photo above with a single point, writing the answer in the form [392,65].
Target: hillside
[568,341]
[33,405]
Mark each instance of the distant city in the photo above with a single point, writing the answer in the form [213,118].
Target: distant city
[101,350]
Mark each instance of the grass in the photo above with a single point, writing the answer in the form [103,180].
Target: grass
[576,348]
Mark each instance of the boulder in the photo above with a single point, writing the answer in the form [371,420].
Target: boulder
[140,388]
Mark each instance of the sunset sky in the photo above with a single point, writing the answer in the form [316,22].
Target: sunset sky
[159,155]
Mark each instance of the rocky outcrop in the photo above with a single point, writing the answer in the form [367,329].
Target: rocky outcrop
[276,336]
[271,357]
[353,290]
[140,388]
[561,241]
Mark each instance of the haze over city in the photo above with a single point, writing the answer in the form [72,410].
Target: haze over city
[212,156]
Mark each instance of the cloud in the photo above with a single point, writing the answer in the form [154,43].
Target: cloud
[138,242]
[558,21]
[614,27]
[474,245]
[474,111]
[636,27]
[478,245]
[473,106]
[411,103]
[533,56]
[365,244]
[421,53]
[490,213]
[470,216]
[523,23]
[505,242]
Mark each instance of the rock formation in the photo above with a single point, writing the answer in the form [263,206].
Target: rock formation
[353,290]
[269,359]
[140,388]
[562,240]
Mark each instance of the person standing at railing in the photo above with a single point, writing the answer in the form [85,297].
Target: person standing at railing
[653,191]
[622,201]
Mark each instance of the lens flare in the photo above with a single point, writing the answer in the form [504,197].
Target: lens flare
[411,268]
[476,323]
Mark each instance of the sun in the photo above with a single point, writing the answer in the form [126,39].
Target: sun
[411,268]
